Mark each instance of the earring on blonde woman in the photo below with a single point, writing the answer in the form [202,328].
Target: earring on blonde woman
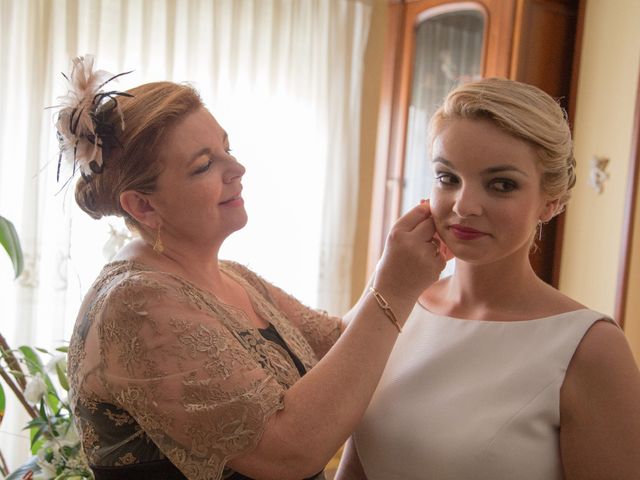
[539,230]
[158,246]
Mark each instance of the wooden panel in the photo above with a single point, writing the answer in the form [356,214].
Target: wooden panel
[545,36]
[380,214]
[546,42]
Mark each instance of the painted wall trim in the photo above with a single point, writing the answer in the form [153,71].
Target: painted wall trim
[624,267]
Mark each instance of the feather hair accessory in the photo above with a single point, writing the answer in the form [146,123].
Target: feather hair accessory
[82,132]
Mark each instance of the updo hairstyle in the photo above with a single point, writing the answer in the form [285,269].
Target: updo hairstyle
[131,156]
[525,112]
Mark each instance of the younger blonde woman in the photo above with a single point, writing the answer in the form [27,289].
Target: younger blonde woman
[499,376]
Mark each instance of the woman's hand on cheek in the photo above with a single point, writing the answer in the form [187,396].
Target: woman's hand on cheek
[444,250]
[411,260]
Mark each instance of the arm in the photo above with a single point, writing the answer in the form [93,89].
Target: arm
[322,408]
[297,310]
[444,251]
[346,319]
[206,402]
[350,466]
[600,409]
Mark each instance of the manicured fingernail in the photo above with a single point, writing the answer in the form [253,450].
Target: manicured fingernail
[423,201]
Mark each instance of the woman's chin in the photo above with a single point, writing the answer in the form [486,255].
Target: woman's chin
[467,255]
[239,223]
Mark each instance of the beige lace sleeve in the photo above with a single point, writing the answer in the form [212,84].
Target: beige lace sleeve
[169,358]
[319,328]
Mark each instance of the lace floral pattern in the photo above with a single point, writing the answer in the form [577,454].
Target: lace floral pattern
[159,368]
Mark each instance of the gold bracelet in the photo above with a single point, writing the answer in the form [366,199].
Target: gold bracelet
[386,308]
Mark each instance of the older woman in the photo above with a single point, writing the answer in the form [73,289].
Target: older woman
[185,366]
[501,377]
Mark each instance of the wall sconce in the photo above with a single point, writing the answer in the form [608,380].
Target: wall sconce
[597,173]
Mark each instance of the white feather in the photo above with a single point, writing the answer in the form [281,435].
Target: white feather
[75,123]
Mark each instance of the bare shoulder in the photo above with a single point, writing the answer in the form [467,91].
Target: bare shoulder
[602,366]
[600,408]
[604,345]
[557,301]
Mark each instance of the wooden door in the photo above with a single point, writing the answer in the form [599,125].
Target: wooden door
[510,31]
[545,37]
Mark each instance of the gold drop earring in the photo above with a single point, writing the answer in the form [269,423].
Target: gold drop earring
[158,246]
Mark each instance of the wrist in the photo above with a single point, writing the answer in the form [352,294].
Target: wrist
[386,308]
[399,297]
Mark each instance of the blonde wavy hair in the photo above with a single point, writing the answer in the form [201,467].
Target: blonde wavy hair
[525,112]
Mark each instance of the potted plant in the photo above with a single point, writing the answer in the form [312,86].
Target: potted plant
[42,390]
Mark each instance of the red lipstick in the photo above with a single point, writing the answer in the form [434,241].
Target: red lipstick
[466,233]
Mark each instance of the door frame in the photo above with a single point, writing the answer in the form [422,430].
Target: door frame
[392,119]
[631,201]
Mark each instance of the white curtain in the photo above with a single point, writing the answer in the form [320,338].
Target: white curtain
[283,77]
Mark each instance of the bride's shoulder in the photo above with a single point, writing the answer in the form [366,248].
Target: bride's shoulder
[559,302]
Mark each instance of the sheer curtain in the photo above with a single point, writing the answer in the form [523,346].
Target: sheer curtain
[283,78]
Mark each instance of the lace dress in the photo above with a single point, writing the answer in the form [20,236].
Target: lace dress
[163,375]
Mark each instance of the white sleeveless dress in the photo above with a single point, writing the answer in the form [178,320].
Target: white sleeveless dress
[466,399]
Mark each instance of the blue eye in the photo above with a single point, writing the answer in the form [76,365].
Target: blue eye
[503,185]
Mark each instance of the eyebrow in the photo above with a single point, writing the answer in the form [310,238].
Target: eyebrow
[495,169]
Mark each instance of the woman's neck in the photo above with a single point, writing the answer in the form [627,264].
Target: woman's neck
[502,290]
[491,283]
[198,266]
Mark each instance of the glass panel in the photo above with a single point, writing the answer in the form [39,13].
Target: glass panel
[448,52]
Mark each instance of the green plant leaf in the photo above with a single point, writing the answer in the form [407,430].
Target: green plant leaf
[2,402]
[11,243]
[32,359]
[37,440]
[62,377]
[37,422]
[12,364]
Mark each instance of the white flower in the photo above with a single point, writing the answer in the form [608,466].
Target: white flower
[55,361]
[72,436]
[35,389]
[48,469]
